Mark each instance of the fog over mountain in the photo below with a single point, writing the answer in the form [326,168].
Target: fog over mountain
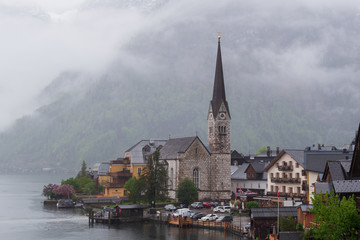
[85,80]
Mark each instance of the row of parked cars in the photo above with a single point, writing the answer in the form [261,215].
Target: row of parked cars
[198,205]
[187,213]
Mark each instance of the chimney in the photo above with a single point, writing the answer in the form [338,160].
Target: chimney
[277,150]
[268,151]
[319,146]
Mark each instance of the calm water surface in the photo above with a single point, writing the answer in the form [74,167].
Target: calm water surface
[23,216]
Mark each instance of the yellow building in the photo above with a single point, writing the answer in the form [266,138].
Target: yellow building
[131,165]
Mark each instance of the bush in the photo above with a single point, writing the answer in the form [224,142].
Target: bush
[252,204]
[299,227]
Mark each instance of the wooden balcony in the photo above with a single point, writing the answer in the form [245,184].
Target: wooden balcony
[285,168]
[285,180]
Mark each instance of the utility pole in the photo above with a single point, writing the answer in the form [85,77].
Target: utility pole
[278,213]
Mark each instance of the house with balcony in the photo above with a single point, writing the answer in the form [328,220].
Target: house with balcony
[249,177]
[286,175]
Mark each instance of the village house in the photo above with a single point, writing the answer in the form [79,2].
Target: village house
[286,174]
[131,165]
[293,173]
[342,177]
[249,177]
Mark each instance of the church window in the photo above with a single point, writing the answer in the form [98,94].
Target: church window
[219,129]
[171,178]
[196,150]
[225,129]
[196,177]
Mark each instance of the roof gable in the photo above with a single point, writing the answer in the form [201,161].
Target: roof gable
[297,155]
[177,145]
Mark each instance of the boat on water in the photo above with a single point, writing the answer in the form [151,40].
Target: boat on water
[65,203]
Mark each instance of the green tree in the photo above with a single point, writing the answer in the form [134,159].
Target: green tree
[154,179]
[252,204]
[134,187]
[83,169]
[187,191]
[335,219]
[287,224]
[260,150]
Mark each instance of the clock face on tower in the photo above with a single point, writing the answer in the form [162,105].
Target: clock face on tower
[211,116]
[222,115]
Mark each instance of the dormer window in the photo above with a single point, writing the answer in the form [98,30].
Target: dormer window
[146,148]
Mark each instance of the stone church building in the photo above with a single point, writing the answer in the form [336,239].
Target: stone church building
[209,168]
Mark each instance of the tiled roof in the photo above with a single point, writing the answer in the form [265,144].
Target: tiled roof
[272,212]
[297,155]
[316,160]
[175,146]
[305,207]
[323,187]
[233,169]
[137,155]
[259,166]
[240,174]
[336,170]
[347,186]
[103,169]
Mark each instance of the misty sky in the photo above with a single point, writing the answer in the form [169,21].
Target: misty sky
[40,39]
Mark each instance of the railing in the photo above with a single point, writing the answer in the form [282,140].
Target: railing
[285,168]
[285,180]
[284,194]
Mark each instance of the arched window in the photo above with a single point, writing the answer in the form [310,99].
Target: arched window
[172,178]
[196,177]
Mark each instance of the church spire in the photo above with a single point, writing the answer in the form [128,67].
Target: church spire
[219,86]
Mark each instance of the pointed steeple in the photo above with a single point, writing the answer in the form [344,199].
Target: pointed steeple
[219,96]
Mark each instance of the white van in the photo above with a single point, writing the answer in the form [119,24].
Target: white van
[183,212]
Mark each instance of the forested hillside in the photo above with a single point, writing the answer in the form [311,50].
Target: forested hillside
[160,84]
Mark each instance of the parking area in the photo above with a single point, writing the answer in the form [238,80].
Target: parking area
[237,220]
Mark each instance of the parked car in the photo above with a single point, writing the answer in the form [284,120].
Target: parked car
[197,205]
[209,217]
[225,218]
[183,212]
[169,207]
[214,204]
[207,204]
[222,209]
[198,216]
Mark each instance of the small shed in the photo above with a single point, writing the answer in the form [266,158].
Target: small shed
[305,217]
[264,220]
[130,212]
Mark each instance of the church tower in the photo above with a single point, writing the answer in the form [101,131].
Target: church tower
[219,136]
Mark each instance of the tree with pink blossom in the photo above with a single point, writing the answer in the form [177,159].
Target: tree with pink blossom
[63,191]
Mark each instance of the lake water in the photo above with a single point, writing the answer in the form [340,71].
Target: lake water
[23,216]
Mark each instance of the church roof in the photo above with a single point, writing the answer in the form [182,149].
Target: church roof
[219,96]
[175,146]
